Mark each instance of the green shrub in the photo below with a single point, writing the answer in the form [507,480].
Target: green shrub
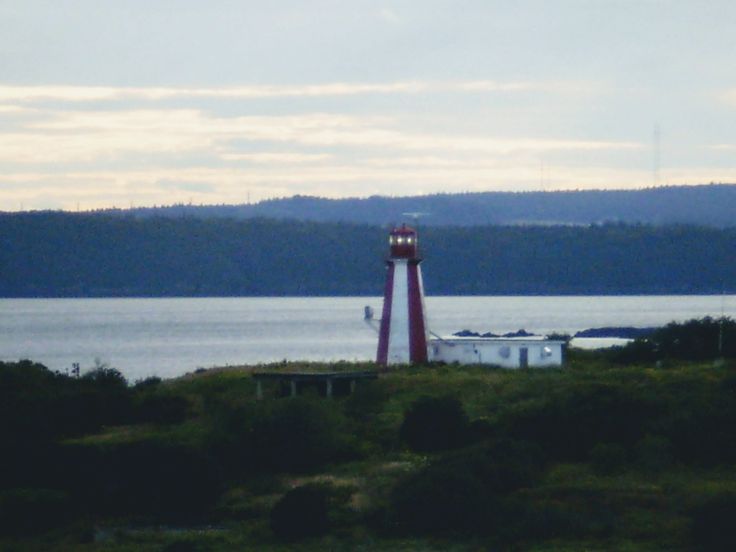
[567,424]
[654,453]
[588,516]
[464,492]
[608,458]
[291,435]
[712,524]
[698,339]
[149,479]
[435,423]
[160,408]
[699,423]
[182,546]
[299,435]
[442,500]
[31,511]
[105,377]
[300,513]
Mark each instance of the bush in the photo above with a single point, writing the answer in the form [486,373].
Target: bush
[30,511]
[696,339]
[435,423]
[654,453]
[464,492]
[104,376]
[698,405]
[568,424]
[158,408]
[300,513]
[442,500]
[712,527]
[608,458]
[293,435]
[147,479]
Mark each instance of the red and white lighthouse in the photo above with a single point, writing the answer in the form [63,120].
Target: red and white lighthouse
[402,338]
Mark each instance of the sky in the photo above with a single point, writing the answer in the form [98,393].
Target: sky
[120,103]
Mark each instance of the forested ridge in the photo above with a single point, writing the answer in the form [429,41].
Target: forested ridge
[53,254]
[706,205]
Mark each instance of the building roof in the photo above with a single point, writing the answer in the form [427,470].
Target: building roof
[500,340]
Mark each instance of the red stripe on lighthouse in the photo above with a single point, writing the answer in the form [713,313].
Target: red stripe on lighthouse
[388,295]
[417,331]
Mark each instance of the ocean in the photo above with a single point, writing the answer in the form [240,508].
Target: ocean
[170,337]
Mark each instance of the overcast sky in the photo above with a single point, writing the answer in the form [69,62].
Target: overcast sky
[119,103]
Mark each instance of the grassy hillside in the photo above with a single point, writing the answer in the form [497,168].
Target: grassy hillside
[593,456]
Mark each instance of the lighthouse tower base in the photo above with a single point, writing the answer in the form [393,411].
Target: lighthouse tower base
[403,336]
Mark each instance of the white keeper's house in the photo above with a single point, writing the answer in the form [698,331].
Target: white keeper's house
[507,352]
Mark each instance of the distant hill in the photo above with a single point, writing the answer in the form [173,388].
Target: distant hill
[708,205]
[80,255]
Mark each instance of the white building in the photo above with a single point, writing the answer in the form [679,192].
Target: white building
[507,352]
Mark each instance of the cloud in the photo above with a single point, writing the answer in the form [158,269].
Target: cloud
[385,176]
[184,186]
[31,94]
[13,109]
[235,185]
[89,135]
[389,16]
[727,97]
[277,157]
[722,147]
[165,147]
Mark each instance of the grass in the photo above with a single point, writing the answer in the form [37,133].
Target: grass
[633,508]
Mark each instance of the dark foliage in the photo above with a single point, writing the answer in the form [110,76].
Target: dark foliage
[712,525]
[584,516]
[301,513]
[182,546]
[698,339]
[608,458]
[700,426]
[568,424]
[106,378]
[435,423]
[707,205]
[160,408]
[32,511]
[654,453]
[466,491]
[57,254]
[294,435]
[146,479]
[38,407]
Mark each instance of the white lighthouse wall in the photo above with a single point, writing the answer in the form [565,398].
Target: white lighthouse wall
[506,353]
[398,337]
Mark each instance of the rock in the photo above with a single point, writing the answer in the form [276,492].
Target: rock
[624,332]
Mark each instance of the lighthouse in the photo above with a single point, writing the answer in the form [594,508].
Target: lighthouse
[402,337]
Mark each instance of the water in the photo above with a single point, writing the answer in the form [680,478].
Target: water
[169,337]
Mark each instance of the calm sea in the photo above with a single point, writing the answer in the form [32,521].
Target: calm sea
[169,337]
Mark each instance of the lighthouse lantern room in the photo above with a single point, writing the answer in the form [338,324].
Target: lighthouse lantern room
[403,333]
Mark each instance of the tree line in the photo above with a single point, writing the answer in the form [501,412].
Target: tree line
[52,254]
[710,205]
